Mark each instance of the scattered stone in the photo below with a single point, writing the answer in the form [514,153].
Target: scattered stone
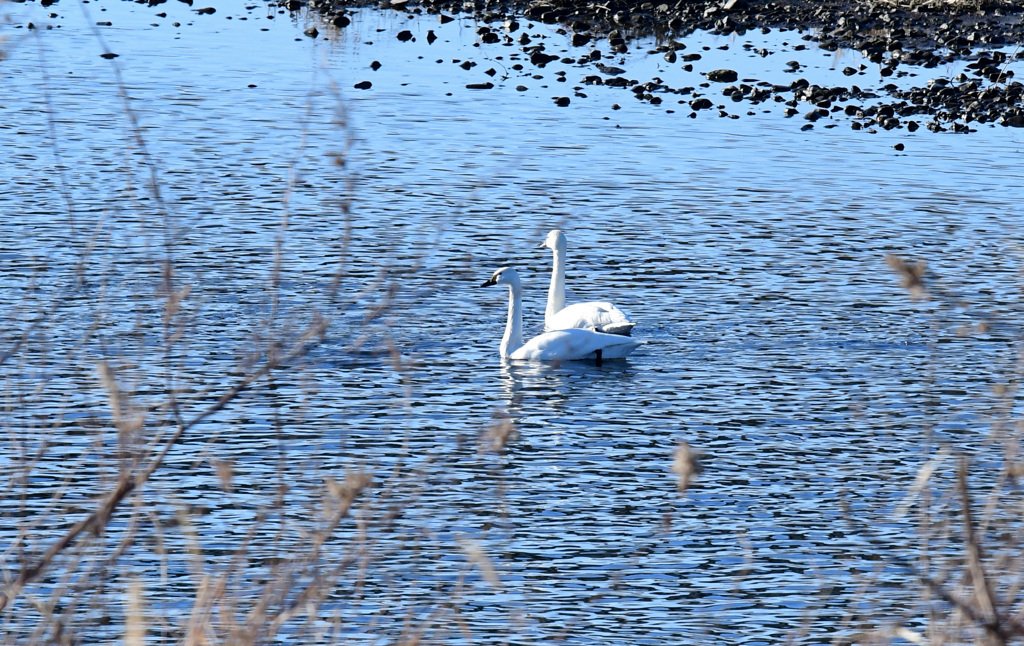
[610,70]
[431,37]
[375,65]
[479,86]
[561,101]
[109,55]
[363,85]
[405,35]
[540,59]
[722,76]
[205,11]
[312,32]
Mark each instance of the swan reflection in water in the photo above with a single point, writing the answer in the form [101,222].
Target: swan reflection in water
[561,389]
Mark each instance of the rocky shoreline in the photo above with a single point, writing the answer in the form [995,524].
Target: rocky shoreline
[892,34]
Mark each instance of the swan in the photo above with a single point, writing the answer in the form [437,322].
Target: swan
[560,345]
[602,316]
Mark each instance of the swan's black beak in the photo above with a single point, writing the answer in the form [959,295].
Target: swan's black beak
[490,282]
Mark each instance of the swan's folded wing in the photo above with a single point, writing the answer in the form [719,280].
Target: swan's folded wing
[574,344]
[596,314]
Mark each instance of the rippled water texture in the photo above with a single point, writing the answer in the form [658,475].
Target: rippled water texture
[750,252]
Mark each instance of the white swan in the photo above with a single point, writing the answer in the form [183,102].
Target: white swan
[593,315]
[560,345]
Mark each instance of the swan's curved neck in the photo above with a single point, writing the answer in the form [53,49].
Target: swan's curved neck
[556,291]
[513,339]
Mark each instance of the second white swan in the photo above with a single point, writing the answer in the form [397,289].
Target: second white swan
[572,344]
[592,315]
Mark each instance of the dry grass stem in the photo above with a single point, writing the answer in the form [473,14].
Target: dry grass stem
[912,275]
[686,465]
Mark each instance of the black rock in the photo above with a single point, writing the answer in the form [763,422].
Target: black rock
[479,86]
[540,59]
[375,65]
[579,40]
[562,101]
[363,85]
[404,35]
[431,37]
[722,76]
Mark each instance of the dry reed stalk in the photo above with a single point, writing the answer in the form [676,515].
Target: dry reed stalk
[686,465]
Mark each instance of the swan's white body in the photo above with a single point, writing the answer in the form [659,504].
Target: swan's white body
[560,345]
[599,315]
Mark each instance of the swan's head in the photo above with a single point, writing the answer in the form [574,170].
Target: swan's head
[504,276]
[555,240]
